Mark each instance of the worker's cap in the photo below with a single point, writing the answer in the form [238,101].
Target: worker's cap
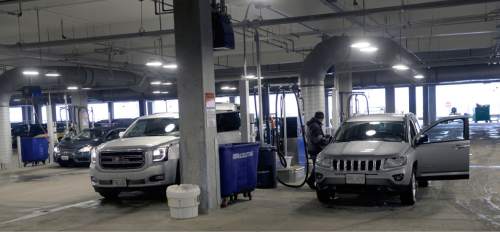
[319,115]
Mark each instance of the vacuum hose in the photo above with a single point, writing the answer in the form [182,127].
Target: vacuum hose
[296,93]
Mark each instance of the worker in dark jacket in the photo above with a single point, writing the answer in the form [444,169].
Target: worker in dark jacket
[316,141]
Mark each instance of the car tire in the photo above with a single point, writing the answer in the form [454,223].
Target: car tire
[409,195]
[423,183]
[63,165]
[109,194]
[325,196]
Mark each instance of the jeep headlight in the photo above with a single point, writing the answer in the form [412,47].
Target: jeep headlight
[93,155]
[85,149]
[323,161]
[395,162]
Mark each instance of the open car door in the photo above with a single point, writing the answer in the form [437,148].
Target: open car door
[443,150]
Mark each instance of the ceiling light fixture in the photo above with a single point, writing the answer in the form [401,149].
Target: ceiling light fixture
[31,73]
[360,44]
[155,83]
[400,67]
[370,49]
[250,77]
[154,64]
[167,83]
[229,88]
[419,76]
[160,92]
[86,88]
[72,88]
[170,66]
[52,74]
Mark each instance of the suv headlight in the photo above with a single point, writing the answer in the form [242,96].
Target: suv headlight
[56,149]
[395,162]
[323,161]
[167,152]
[85,149]
[93,155]
[159,154]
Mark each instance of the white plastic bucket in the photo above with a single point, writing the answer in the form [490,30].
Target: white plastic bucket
[183,200]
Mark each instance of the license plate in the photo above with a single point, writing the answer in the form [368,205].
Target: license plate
[119,182]
[355,179]
[65,157]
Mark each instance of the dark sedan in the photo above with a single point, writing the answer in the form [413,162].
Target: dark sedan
[75,151]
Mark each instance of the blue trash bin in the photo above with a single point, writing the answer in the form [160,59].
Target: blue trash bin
[266,174]
[238,169]
[34,150]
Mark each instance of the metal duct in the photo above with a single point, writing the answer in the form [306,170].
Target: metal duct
[337,51]
[13,80]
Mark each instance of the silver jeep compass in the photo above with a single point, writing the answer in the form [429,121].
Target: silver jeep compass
[391,153]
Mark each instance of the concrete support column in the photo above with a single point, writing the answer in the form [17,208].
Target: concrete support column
[111,111]
[314,100]
[50,129]
[150,107]
[244,109]
[5,133]
[142,107]
[390,99]
[344,83]
[335,107]
[426,104]
[413,99]
[38,113]
[54,112]
[432,103]
[27,114]
[196,91]
[327,108]
[79,103]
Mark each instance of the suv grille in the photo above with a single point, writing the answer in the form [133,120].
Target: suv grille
[122,160]
[347,165]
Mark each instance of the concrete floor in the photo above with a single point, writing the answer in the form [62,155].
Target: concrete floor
[61,199]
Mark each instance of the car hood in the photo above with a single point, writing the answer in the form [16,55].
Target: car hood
[138,142]
[75,144]
[364,148]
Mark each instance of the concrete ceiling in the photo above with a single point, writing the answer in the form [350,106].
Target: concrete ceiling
[432,31]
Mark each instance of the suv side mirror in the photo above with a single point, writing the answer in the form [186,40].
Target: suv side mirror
[121,134]
[422,139]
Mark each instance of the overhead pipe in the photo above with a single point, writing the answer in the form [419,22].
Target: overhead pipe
[337,51]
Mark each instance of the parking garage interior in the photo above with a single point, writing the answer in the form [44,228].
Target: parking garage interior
[151,94]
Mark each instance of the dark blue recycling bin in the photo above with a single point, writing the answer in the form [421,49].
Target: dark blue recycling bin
[238,168]
[34,150]
[266,173]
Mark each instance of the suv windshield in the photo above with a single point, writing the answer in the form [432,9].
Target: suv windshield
[378,131]
[153,127]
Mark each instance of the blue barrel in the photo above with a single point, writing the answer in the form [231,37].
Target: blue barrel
[34,149]
[238,167]
[266,173]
